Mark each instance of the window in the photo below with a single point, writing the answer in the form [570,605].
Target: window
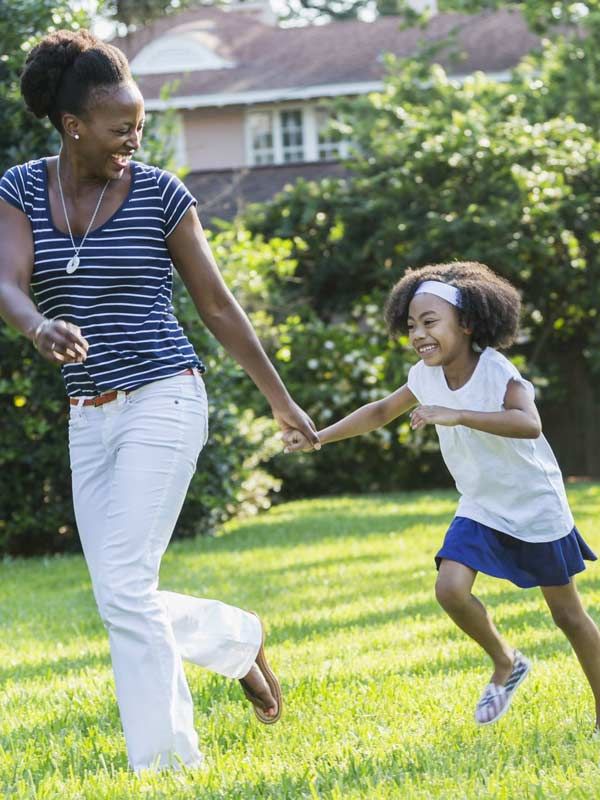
[261,137]
[292,137]
[330,143]
[286,135]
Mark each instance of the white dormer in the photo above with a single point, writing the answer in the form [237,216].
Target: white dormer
[423,5]
[191,51]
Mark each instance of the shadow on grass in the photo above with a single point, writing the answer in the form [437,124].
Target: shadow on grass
[52,667]
[311,528]
[76,724]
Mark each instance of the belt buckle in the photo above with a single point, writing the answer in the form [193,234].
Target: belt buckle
[103,398]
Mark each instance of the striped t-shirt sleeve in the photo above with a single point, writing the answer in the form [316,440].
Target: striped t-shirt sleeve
[13,187]
[176,199]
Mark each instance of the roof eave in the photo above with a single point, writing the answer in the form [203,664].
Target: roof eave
[279,95]
[262,96]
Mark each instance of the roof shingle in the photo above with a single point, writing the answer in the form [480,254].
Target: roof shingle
[348,52]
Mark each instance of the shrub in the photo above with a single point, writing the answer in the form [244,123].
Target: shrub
[36,514]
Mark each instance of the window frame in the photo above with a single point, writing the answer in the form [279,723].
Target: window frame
[310,134]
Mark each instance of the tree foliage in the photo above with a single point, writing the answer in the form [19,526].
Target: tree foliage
[445,173]
[504,173]
[22,22]
[131,14]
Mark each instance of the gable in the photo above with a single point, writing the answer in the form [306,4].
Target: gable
[179,52]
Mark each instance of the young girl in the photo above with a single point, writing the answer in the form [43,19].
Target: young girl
[513,520]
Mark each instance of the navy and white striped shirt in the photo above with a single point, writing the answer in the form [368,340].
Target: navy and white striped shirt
[120,295]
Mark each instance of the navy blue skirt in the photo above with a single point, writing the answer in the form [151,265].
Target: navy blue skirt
[526,564]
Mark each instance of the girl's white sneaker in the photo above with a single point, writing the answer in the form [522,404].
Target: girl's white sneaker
[496,699]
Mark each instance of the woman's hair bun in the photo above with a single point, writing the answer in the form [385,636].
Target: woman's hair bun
[63,71]
[46,65]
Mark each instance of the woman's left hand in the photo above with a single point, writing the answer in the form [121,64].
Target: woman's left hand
[293,418]
[433,415]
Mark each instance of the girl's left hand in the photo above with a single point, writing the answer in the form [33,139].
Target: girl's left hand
[433,415]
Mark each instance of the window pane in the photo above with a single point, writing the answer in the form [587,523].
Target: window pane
[293,155]
[261,137]
[292,136]
[329,139]
[291,119]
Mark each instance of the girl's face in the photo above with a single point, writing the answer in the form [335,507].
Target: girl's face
[111,130]
[435,332]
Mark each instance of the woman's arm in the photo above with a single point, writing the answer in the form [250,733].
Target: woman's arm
[57,341]
[364,419]
[519,420]
[225,319]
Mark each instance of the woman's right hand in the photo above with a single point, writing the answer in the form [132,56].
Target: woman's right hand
[60,342]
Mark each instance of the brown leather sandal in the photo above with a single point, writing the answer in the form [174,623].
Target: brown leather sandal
[272,683]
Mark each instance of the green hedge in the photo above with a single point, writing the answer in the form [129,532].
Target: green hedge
[36,513]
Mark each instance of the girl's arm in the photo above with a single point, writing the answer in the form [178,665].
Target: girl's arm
[519,419]
[229,324]
[364,419]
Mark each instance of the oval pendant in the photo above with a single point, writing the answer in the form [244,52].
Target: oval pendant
[72,265]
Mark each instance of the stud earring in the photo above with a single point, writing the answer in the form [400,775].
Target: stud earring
[76,136]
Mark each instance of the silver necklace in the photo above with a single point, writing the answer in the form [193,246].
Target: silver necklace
[74,262]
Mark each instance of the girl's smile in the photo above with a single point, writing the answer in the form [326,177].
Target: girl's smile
[436,333]
[426,350]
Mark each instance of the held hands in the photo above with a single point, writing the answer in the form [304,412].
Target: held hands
[60,342]
[296,426]
[433,415]
[296,442]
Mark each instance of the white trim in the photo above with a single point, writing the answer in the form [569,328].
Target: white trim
[263,96]
[178,52]
[289,93]
[311,148]
[277,143]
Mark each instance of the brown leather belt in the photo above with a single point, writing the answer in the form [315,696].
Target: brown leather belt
[108,397]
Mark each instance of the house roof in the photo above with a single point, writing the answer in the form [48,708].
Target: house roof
[278,62]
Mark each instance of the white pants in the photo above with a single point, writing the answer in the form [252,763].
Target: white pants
[132,460]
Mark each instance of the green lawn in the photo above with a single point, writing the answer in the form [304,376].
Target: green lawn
[379,686]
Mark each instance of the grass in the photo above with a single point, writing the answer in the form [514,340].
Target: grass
[379,685]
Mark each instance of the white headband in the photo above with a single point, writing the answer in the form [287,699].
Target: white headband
[446,291]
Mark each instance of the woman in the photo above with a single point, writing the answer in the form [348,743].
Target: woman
[95,235]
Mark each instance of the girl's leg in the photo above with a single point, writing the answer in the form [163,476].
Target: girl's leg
[453,593]
[580,629]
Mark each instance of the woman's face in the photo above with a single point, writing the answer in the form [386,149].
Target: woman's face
[435,331]
[110,131]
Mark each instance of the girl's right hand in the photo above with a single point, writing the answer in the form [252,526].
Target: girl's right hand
[295,441]
[60,342]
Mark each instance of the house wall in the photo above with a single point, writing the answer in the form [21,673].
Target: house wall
[214,138]
[217,139]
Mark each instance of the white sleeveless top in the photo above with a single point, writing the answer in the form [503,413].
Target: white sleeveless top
[512,485]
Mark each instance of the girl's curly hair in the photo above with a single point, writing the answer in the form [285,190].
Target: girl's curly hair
[491,306]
